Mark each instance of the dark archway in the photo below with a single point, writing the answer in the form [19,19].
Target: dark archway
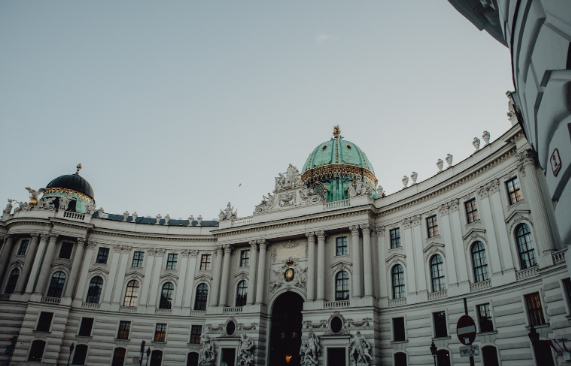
[285,336]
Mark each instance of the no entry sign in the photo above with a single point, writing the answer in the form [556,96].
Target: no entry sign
[466,330]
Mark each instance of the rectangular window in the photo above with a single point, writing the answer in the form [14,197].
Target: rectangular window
[85,327]
[65,250]
[395,238]
[102,255]
[432,225]
[440,324]
[206,262]
[534,309]
[514,192]
[138,259]
[485,318]
[45,322]
[171,260]
[398,330]
[341,246]
[471,211]
[245,258]
[23,247]
[124,330]
[160,332]
[195,332]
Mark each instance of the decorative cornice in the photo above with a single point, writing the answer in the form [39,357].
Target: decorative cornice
[155,238]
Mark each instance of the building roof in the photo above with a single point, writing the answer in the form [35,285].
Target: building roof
[337,151]
[153,221]
[74,182]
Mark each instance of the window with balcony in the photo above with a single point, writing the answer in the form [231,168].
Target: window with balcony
[342,286]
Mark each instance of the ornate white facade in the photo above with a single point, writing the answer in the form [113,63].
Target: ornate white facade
[370,280]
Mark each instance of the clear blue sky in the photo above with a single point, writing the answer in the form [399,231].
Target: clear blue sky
[171,105]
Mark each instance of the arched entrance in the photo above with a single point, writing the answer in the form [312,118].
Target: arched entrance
[285,328]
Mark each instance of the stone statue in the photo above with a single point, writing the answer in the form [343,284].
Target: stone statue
[199,219]
[310,196]
[440,164]
[191,219]
[245,350]
[359,351]
[352,191]
[310,350]
[8,208]
[286,199]
[34,195]
[167,219]
[449,160]
[414,176]
[291,179]
[486,137]
[46,204]
[476,143]
[63,203]
[511,105]
[134,216]
[228,213]
[90,208]
[22,206]
[206,354]
[405,181]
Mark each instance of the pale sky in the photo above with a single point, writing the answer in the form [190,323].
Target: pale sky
[171,105]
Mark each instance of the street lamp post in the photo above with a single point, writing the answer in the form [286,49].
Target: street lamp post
[71,348]
[148,354]
[433,350]
[142,353]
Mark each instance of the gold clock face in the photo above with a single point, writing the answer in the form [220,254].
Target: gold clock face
[289,274]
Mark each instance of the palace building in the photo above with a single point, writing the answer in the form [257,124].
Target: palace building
[328,270]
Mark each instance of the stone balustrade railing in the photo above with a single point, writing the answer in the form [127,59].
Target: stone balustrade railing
[334,205]
[90,305]
[74,215]
[438,295]
[51,300]
[479,286]
[397,302]
[236,309]
[336,304]
[526,273]
[197,312]
[243,221]
[4,297]
[163,311]
[128,309]
[558,257]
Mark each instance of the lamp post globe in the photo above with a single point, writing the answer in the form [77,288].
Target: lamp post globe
[433,350]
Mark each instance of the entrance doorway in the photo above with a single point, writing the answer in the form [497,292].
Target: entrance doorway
[285,330]
[336,357]
[228,357]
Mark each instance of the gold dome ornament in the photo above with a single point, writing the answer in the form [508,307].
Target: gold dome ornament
[336,131]
[78,168]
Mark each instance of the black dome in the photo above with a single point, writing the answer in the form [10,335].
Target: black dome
[74,182]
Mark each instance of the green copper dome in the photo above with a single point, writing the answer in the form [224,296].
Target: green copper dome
[340,169]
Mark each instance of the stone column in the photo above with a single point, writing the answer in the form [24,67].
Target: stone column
[181,288]
[356,254]
[189,288]
[87,260]
[310,266]
[75,266]
[419,264]
[225,276]
[452,280]
[456,233]
[216,270]
[321,265]
[382,253]
[149,263]
[113,268]
[261,272]
[120,278]
[253,267]
[367,258]
[30,255]
[5,256]
[156,276]
[488,218]
[504,245]
[544,237]
[47,265]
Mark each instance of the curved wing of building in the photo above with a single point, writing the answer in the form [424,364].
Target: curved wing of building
[328,270]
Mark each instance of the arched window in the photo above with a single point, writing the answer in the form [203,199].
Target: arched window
[37,351]
[479,262]
[490,356]
[437,273]
[342,286]
[79,355]
[398,281]
[94,291]
[166,296]
[56,284]
[192,359]
[131,294]
[400,359]
[156,358]
[524,247]
[12,281]
[119,357]
[201,297]
[241,293]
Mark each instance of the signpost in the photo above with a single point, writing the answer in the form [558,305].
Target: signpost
[466,331]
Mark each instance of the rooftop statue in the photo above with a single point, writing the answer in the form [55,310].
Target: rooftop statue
[34,195]
[228,213]
[288,180]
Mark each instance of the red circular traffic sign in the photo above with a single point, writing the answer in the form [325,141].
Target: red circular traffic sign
[466,330]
